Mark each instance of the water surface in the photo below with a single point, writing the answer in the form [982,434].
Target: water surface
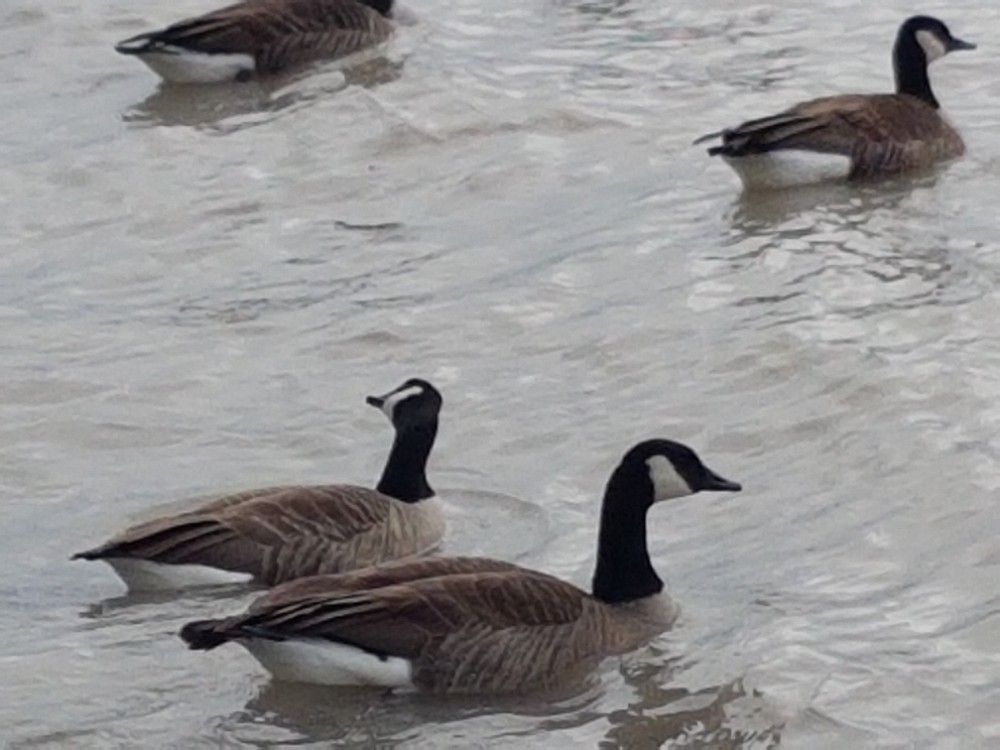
[200,286]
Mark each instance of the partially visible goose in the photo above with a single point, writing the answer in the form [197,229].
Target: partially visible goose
[281,533]
[259,37]
[855,135]
[475,624]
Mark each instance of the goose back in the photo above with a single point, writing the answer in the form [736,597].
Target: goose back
[462,625]
[879,133]
[284,534]
[273,34]
[853,136]
[277,534]
[388,574]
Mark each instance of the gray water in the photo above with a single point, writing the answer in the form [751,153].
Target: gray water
[199,287]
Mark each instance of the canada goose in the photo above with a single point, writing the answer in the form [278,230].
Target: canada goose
[281,533]
[475,624]
[259,37]
[854,135]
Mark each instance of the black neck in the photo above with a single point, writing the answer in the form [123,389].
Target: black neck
[380,6]
[624,572]
[910,64]
[404,476]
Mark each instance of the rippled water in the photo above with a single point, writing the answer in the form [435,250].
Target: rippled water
[200,286]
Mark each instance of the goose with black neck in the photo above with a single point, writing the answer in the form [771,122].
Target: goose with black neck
[474,624]
[256,38]
[853,136]
[277,534]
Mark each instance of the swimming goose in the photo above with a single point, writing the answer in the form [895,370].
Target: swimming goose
[259,37]
[281,533]
[475,624]
[855,135]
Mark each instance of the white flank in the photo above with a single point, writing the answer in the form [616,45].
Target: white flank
[183,66]
[179,65]
[788,168]
[144,575]
[326,663]
[667,481]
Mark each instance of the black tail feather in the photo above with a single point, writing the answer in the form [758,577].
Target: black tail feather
[708,137]
[761,135]
[136,45]
[99,553]
[204,635]
[175,543]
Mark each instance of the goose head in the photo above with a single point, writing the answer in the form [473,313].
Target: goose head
[415,403]
[663,469]
[413,409]
[653,471]
[932,37]
[921,41]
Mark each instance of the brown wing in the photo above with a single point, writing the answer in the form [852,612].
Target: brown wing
[279,33]
[388,574]
[504,630]
[291,532]
[762,135]
[881,133]
[890,133]
[217,503]
[402,618]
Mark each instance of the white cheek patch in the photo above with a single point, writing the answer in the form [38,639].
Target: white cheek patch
[933,47]
[393,399]
[667,481]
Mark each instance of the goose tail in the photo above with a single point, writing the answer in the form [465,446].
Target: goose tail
[136,45]
[97,553]
[204,635]
[708,137]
